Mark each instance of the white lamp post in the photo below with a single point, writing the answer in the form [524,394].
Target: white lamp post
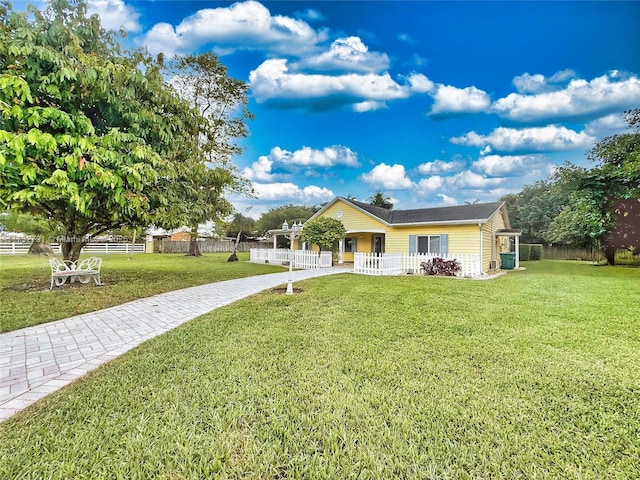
[292,233]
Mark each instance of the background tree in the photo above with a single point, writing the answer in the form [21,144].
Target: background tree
[241,227]
[590,216]
[534,208]
[221,100]
[580,222]
[379,200]
[275,217]
[577,206]
[41,229]
[323,232]
[93,138]
[616,177]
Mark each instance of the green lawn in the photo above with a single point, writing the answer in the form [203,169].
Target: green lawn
[532,375]
[25,298]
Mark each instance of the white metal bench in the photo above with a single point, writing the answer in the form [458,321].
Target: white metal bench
[84,272]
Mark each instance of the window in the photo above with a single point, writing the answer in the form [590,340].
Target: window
[436,244]
[350,244]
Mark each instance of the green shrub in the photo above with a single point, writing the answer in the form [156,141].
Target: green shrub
[525,252]
[536,252]
[531,251]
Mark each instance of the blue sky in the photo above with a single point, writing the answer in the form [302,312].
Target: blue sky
[433,103]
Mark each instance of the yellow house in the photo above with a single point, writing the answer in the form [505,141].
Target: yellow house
[481,231]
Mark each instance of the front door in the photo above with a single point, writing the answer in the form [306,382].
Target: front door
[378,244]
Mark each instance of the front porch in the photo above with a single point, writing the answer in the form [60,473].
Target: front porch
[372,240]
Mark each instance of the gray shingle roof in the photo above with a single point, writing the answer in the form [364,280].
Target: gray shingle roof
[461,213]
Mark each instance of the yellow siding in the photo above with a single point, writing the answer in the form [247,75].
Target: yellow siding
[352,219]
[492,246]
[463,239]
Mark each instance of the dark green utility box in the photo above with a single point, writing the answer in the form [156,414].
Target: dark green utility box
[508,260]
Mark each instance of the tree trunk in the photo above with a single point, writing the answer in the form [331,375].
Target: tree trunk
[610,254]
[235,250]
[194,248]
[40,247]
[71,250]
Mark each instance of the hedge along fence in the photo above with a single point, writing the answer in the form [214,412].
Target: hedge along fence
[531,251]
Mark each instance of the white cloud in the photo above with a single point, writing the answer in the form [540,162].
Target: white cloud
[311,15]
[347,54]
[471,180]
[527,83]
[392,177]
[563,76]
[260,170]
[613,92]
[309,157]
[115,15]
[419,83]
[368,106]
[449,99]
[605,126]
[244,25]
[538,139]
[272,81]
[447,200]
[538,83]
[405,37]
[292,192]
[509,165]
[439,166]
[430,185]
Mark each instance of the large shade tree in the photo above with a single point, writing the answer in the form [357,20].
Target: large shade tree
[91,137]
[221,101]
[591,213]
[581,206]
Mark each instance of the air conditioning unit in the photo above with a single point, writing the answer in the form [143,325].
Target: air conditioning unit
[493,265]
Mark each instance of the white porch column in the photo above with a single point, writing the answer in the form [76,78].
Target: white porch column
[340,251]
[517,265]
[275,241]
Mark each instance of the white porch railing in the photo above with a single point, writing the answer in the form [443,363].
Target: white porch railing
[304,259]
[17,248]
[401,263]
[377,263]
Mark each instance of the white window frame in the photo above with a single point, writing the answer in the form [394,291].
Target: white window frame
[429,238]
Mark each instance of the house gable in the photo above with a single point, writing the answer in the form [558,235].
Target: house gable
[353,218]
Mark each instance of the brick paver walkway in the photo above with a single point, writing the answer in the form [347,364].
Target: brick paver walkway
[37,361]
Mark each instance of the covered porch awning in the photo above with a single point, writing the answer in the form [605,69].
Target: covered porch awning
[512,233]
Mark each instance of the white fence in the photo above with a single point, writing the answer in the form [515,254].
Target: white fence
[401,263]
[17,248]
[304,259]
[377,263]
